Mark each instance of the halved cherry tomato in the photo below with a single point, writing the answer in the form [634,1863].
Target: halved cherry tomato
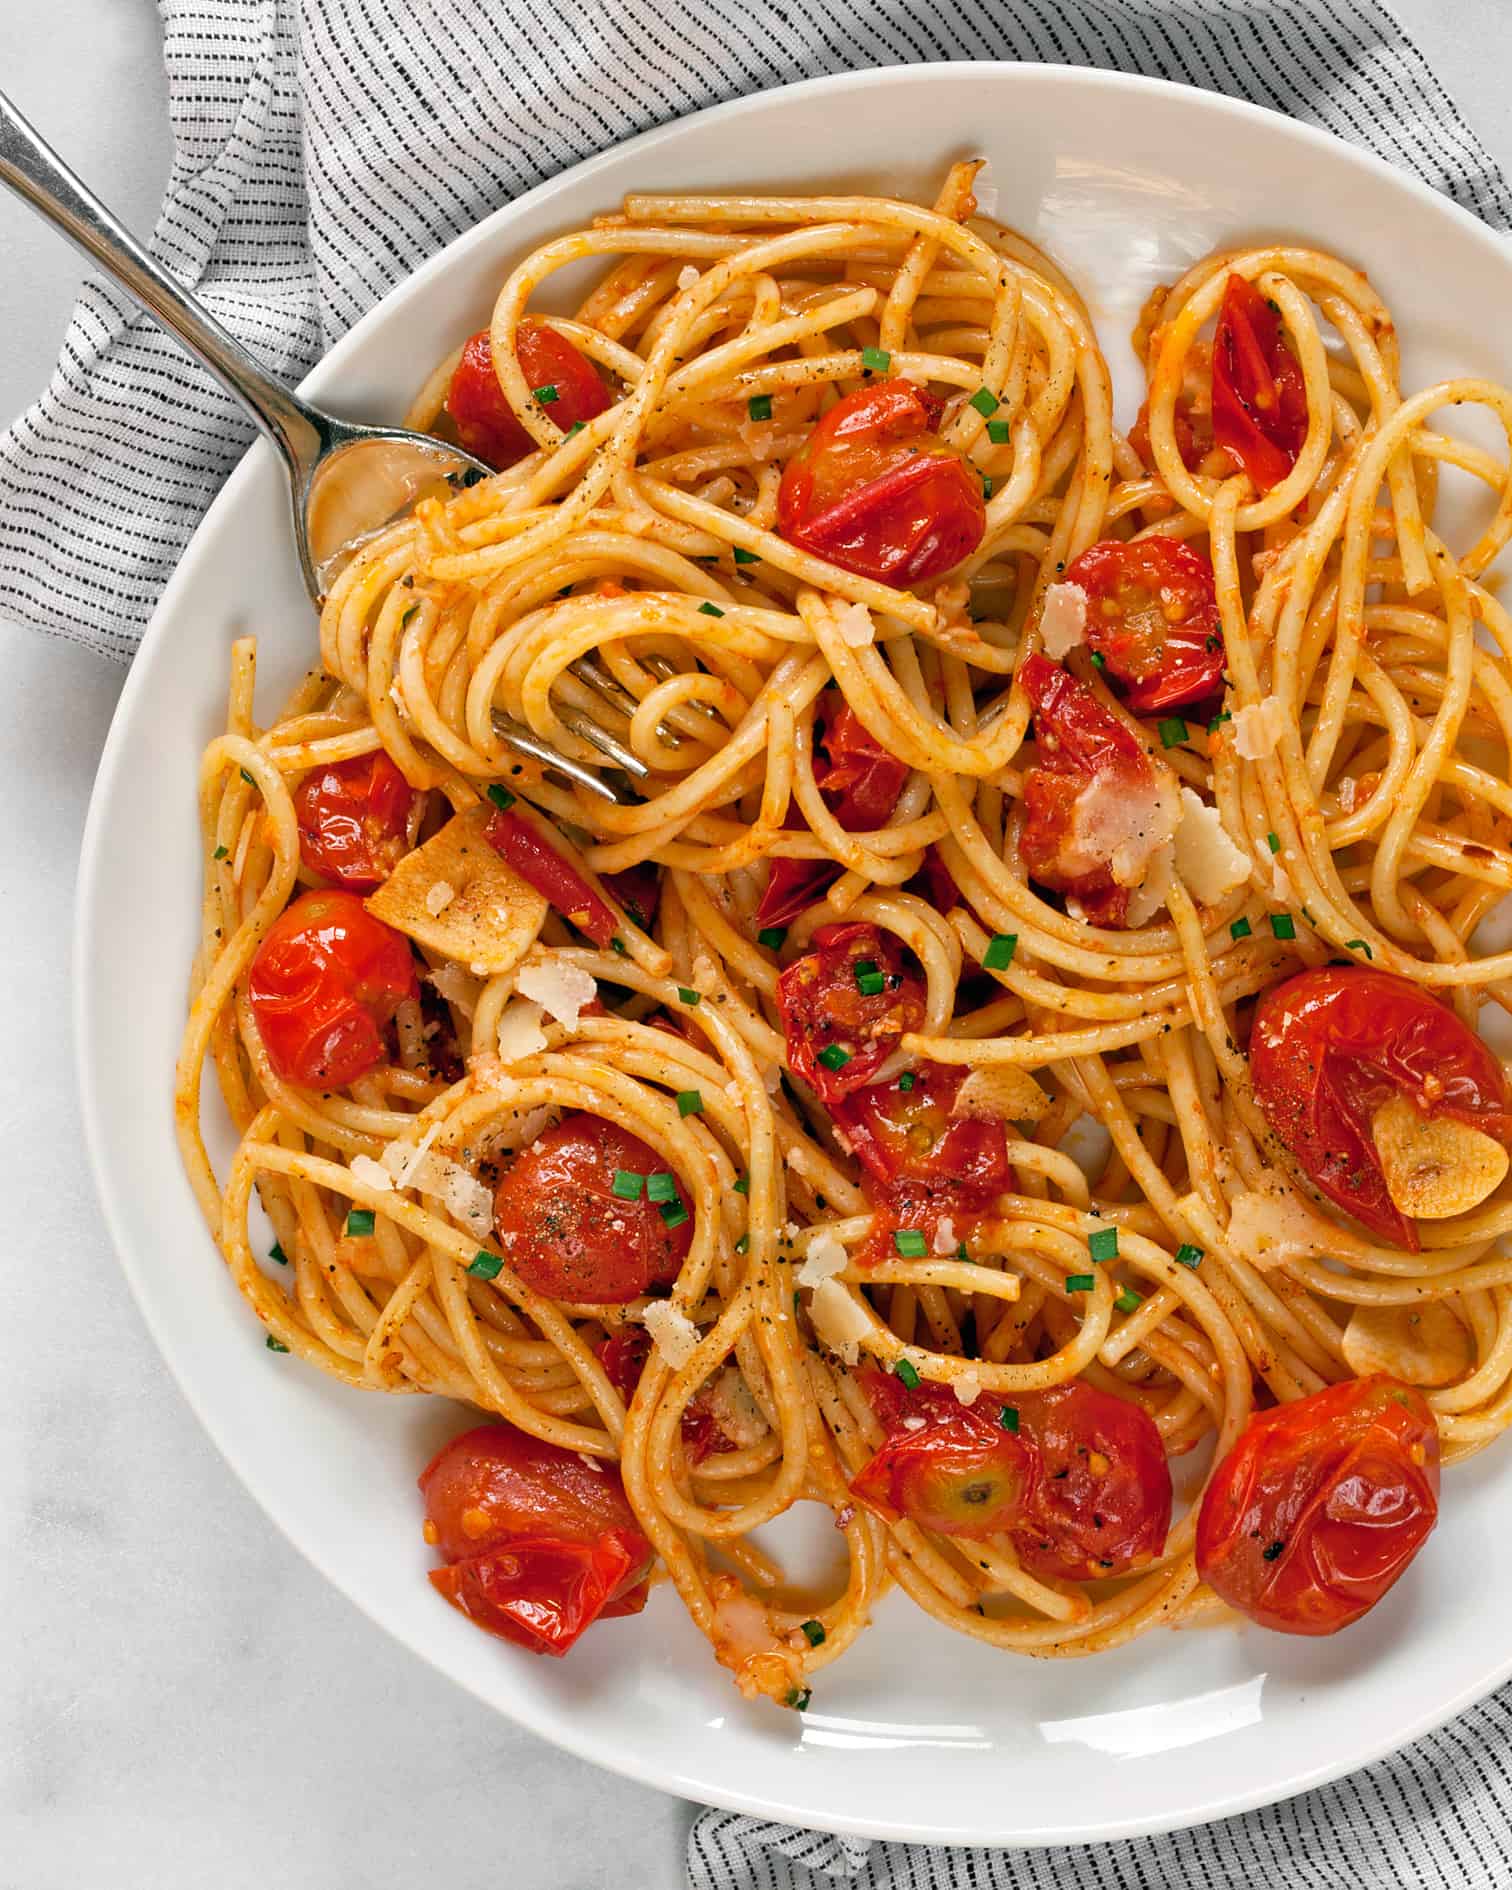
[1259,394]
[1321,1504]
[624,1357]
[538,1544]
[539,864]
[1152,615]
[844,1004]
[565,1230]
[909,1136]
[486,423]
[1194,436]
[1330,1046]
[935,883]
[323,984]
[1077,742]
[1081,1487]
[353,819]
[638,889]
[876,492]
[860,783]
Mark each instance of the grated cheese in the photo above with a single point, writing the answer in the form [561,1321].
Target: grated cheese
[1258,728]
[967,1388]
[520,1033]
[1063,620]
[825,1258]
[1121,821]
[439,897]
[364,1169]
[462,1194]
[403,1159]
[1206,858]
[560,987]
[944,1236]
[456,987]
[838,1320]
[673,1333]
[855,626]
[913,1424]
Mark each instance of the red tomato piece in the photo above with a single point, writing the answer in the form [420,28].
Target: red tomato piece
[1259,394]
[935,883]
[538,1545]
[353,819]
[1076,743]
[860,783]
[1194,436]
[555,878]
[623,1358]
[1330,1046]
[638,889]
[961,1473]
[1152,615]
[323,984]
[840,1032]
[876,492]
[909,1137]
[487,425]
[1321,1504]
[567,1233]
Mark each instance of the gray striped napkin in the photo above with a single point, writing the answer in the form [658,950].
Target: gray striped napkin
[298,198]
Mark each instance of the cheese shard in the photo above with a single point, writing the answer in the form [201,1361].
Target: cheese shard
[1063,620]
[838,1320]
[562,989]
[673,1333]
[1268,1225]
[855,626]
[520,1033]
[364,1169]
[1209,863]
[1435,1166]
[1121,821]
[492,918]
[439,898]
[825,1258]
[967,1388]
[1259,727]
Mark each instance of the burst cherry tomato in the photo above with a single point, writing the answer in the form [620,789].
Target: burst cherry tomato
[354,820]
[540,865]
[860,783]
[878,493]
[538,1546]
[485,422]
[1321,1505]
[323,984]
[1079,746]
[1330,1046]
[844,1005]
[624,1357]
[960,1472]
[1259,394]
[566,1231]
[1152,615]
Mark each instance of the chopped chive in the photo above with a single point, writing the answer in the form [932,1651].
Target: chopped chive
[742,556]
[858,965]
[814,1633]
[985,401]
[834,1056]
[404,620]
[1283,925]
[627,1185]
[1241,928]
[686,996]
[1128,1301]
[997,432]
[501,798]
[910,1244]
[907,1080]
[772,936]
[548,395]
[1358,945]
[1080,1282]
[1000,949]
[960,1252]
[1189,1256]
[1103,1245]
[743,1245]
[743,1185]
[1173,731]
[220,853]
[877,359]
[276,1345]
[485,1265]
[1212,643]
[1273,843]
[709,610]
[759,406]
[576,427]
[617,944]
[1223,715]
[799,1698]
[661,1187]
[1099,661]
[689,1102]
[276,1252]
[905,1374]
[673,1213]
[986,485]
[869,981]
[1008,1417]
[249,779]
[360,1221]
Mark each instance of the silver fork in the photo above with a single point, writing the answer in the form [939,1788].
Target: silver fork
[346,482]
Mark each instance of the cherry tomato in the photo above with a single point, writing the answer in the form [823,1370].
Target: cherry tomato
[844,1004]
[323,984]
[1193,430]
[624,1357]
[1259,394]
[935,883]
[876,492]
[486,423]
[860,783]
[565,1230]
[908,1136]
[1152,615]
[1321,1504]
[638,889]
[538,1546]
[540,865]
[1076,742]
[1330,1046]
[960,1473]
[353,820]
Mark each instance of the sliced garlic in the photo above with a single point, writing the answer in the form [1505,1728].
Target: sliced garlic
[1000,1092]
[1435,1166]
[1422,1345]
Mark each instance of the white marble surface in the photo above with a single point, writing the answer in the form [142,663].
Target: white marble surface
[182,1700]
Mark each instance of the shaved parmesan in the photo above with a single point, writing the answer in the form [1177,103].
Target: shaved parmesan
[673,1333]
[967,1388]
[439,897]
[456,987]
[1270,1225]
[1206,858]
[1258,728]
[944,1236]
[825,1258]
[838,1320]
[1121,819]
[855,626]
[913,1424]
[1281,887]
[403,1159]
[520,1033]
[462,1194]
[364,1169]
[1146,899]
[560,987]
[734,1410]
[1063,620]
[687,277]
[998,1092]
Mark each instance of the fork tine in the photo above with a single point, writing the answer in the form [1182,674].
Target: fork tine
[589,731]
[525,742]
[589,670]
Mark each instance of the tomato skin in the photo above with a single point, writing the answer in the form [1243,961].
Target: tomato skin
[485,422]
[323,983]
[821,1004]
[935,883]
[961,1474]
[564,1230]
[909,1137]
[353,819]
[1321,1505]
[537,1545]
[1330,1046]
[1152,614]
[624,1356]
[876,493]
[1259,393]
[539,864]
[860,783]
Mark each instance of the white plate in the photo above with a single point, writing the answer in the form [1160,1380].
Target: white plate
[917,1733]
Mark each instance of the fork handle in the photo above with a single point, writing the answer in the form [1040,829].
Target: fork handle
[35,172]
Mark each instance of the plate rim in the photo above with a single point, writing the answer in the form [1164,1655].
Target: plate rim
[665,1775]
